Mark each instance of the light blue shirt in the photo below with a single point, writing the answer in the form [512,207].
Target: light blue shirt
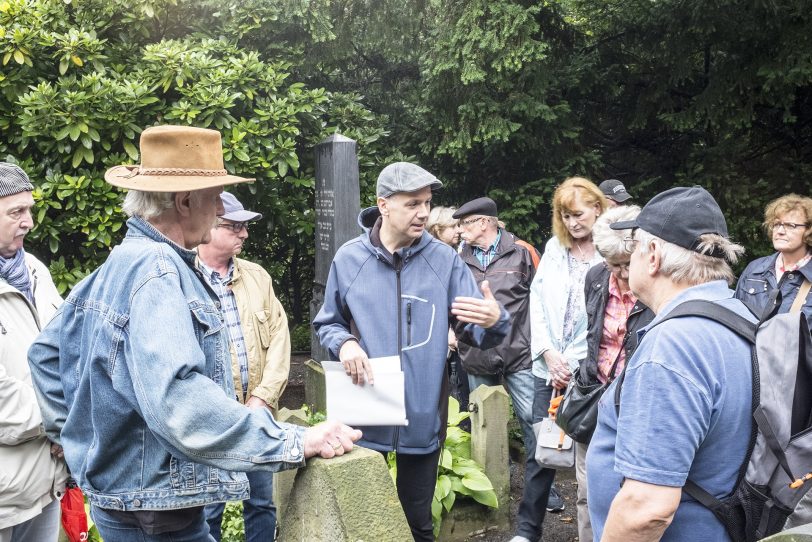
[684,412]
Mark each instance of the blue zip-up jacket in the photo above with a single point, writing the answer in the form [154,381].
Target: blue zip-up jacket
[133,378]
[757,282]
[401,304]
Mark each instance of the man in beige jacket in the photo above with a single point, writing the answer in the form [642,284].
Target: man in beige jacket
[32,473]
[260,346]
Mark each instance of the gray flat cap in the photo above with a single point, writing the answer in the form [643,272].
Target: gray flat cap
[404,177]
[13,180]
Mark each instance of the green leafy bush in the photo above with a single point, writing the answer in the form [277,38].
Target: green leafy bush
[458,475]
[232,528]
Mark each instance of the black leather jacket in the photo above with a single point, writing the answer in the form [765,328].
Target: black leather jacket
[596,294]
[509,274]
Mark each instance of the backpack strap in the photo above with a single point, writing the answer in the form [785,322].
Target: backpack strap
[706,309]
[735,323]
[803,291]
[534,255]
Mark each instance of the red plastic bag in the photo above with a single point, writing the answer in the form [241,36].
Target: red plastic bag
[74,520]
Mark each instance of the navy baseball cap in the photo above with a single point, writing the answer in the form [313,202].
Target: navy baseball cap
[681,216]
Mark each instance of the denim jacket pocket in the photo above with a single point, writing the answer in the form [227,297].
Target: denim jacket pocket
[208,324]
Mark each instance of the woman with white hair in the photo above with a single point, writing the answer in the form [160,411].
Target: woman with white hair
[614,315]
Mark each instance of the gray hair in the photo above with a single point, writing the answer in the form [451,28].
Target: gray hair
[147,204]
[686,266]
[609,242]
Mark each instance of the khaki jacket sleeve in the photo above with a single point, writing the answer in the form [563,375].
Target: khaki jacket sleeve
[277,357]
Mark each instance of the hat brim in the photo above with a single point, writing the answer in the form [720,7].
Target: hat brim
[626,225]
[128,177]
[623,196]
[242,216]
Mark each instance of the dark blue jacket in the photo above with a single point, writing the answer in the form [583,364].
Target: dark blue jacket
[758,281]
[399,305]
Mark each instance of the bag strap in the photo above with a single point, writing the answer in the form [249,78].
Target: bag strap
[739,325]
[712,311]
[803,291]
[613,371]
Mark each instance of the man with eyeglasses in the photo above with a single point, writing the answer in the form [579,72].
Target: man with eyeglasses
[260,346]
[685,394]
[494,254]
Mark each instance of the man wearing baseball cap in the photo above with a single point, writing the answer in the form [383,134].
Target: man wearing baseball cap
[393,291]
[685,395]
[32,471]
[260,346]
[133,374]
[615,192]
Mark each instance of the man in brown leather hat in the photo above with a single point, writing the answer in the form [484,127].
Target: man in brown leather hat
[133,373]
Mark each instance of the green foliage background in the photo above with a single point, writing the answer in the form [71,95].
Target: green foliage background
[498,97]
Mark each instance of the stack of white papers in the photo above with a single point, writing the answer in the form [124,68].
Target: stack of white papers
[380,404]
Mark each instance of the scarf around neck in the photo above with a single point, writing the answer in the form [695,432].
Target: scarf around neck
[14,271]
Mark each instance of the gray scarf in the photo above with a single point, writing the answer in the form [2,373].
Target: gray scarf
[14,271]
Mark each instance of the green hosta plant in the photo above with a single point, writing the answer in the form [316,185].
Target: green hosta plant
[458,475]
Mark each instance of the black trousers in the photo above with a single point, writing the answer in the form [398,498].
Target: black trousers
[417,476]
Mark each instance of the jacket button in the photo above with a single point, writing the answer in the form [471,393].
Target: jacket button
[751,291]
[294,452]
[137,503]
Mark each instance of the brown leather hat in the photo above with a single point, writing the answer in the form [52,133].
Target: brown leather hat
[175,159]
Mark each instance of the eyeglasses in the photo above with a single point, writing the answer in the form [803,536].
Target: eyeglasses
[617,267]
[629,244]
[236,227]
[471,220]
[789,226]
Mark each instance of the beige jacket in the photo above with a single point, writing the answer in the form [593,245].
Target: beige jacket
[30,478]
[267,339]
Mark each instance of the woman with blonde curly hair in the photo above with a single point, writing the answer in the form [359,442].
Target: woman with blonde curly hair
[788,222]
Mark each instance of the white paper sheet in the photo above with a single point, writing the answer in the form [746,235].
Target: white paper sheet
[380,404]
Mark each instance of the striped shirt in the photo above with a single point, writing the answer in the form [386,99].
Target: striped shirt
[228,306]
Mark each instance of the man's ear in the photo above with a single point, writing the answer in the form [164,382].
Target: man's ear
[383,206]
[653,258]
[183,203]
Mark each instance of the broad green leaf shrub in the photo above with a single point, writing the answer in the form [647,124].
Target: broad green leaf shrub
[458,476]
[79,81]
[232,528]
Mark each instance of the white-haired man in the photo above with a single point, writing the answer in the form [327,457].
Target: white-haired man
[133,373]
[684,408]
[260,346]
[32,473]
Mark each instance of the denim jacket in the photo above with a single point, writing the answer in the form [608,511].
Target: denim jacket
[133,379]
[757,283]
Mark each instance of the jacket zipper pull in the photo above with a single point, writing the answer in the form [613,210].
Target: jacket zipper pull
[409,323]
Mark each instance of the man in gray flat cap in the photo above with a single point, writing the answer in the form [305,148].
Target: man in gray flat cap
[393,291]
[29,505]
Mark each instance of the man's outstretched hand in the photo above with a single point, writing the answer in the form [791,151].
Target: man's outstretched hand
[329,439]
[472,310]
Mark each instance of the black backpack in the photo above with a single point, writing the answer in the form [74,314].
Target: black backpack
[775,473]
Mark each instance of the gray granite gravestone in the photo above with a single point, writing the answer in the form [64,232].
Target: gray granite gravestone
[338,202]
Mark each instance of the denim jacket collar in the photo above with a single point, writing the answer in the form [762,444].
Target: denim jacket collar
[137,225]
